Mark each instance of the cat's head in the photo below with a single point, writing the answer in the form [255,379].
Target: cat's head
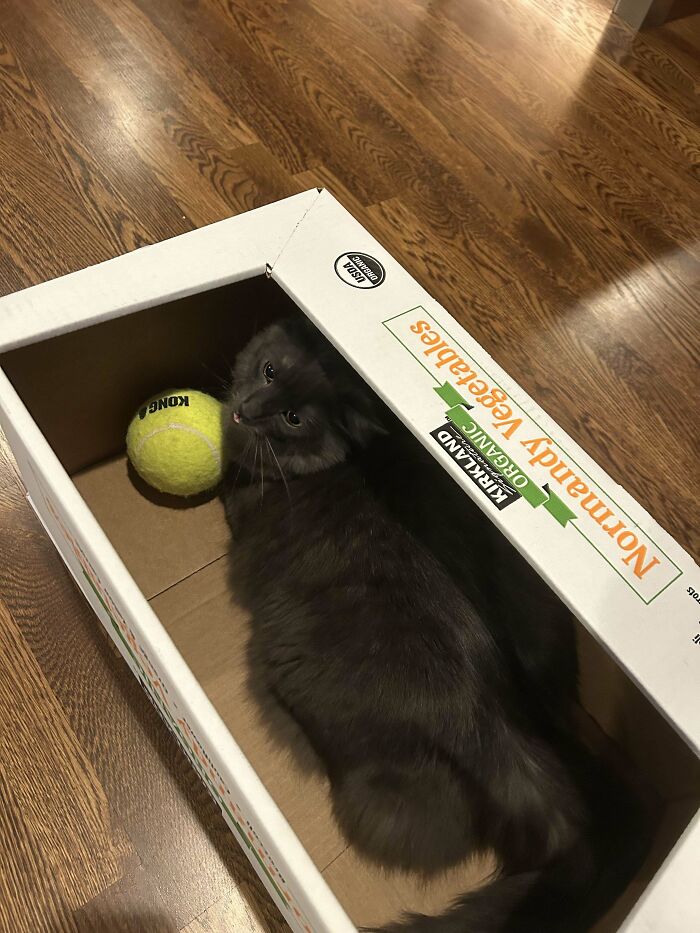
[295,405]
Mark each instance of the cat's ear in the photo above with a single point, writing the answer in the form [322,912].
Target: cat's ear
[362,424]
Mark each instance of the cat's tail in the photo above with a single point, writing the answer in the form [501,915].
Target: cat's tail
[568,894]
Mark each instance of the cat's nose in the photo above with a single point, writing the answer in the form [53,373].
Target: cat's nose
[249,410]
[242,414]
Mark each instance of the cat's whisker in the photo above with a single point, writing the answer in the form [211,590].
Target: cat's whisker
[258,450]
[222,382]
[242,460]
[279,467]
[262,473]
[255,459]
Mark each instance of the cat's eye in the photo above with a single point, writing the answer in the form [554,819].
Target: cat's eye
[292,418]
[269,372]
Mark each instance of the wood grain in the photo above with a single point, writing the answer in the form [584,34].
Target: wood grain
[533,163]
[170,854]
[63,806]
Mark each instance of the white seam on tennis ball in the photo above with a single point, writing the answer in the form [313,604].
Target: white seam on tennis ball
[180,427]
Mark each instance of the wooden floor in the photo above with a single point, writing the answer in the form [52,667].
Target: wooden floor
[535,167]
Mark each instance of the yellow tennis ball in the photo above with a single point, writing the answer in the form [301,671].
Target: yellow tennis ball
[175,442]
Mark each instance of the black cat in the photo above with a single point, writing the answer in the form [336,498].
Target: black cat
[431,670]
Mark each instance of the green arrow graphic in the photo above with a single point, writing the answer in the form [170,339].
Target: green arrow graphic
[528,489]
[451,396]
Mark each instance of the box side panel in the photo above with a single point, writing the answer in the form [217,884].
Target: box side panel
[670,902]
[227,251]
[620,573]
[83,410]
[297,888]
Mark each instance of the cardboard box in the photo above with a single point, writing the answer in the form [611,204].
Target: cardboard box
[79,354]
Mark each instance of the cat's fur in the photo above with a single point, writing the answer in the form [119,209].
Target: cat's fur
[430,669]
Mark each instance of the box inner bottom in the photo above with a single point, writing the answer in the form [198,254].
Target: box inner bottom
[178,556]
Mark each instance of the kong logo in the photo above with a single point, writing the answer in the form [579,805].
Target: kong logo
[167,401]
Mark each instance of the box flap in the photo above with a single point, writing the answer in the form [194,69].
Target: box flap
[227,251]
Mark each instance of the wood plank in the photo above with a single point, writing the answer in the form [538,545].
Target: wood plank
[155,799]
[232,912]
[56,801]
[103,175]
[30,898]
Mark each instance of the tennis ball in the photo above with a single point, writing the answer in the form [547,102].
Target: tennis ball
[175,442]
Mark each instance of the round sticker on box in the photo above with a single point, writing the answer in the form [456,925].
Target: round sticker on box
[359,270]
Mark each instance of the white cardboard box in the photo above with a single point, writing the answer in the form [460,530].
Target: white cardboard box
[628,582]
